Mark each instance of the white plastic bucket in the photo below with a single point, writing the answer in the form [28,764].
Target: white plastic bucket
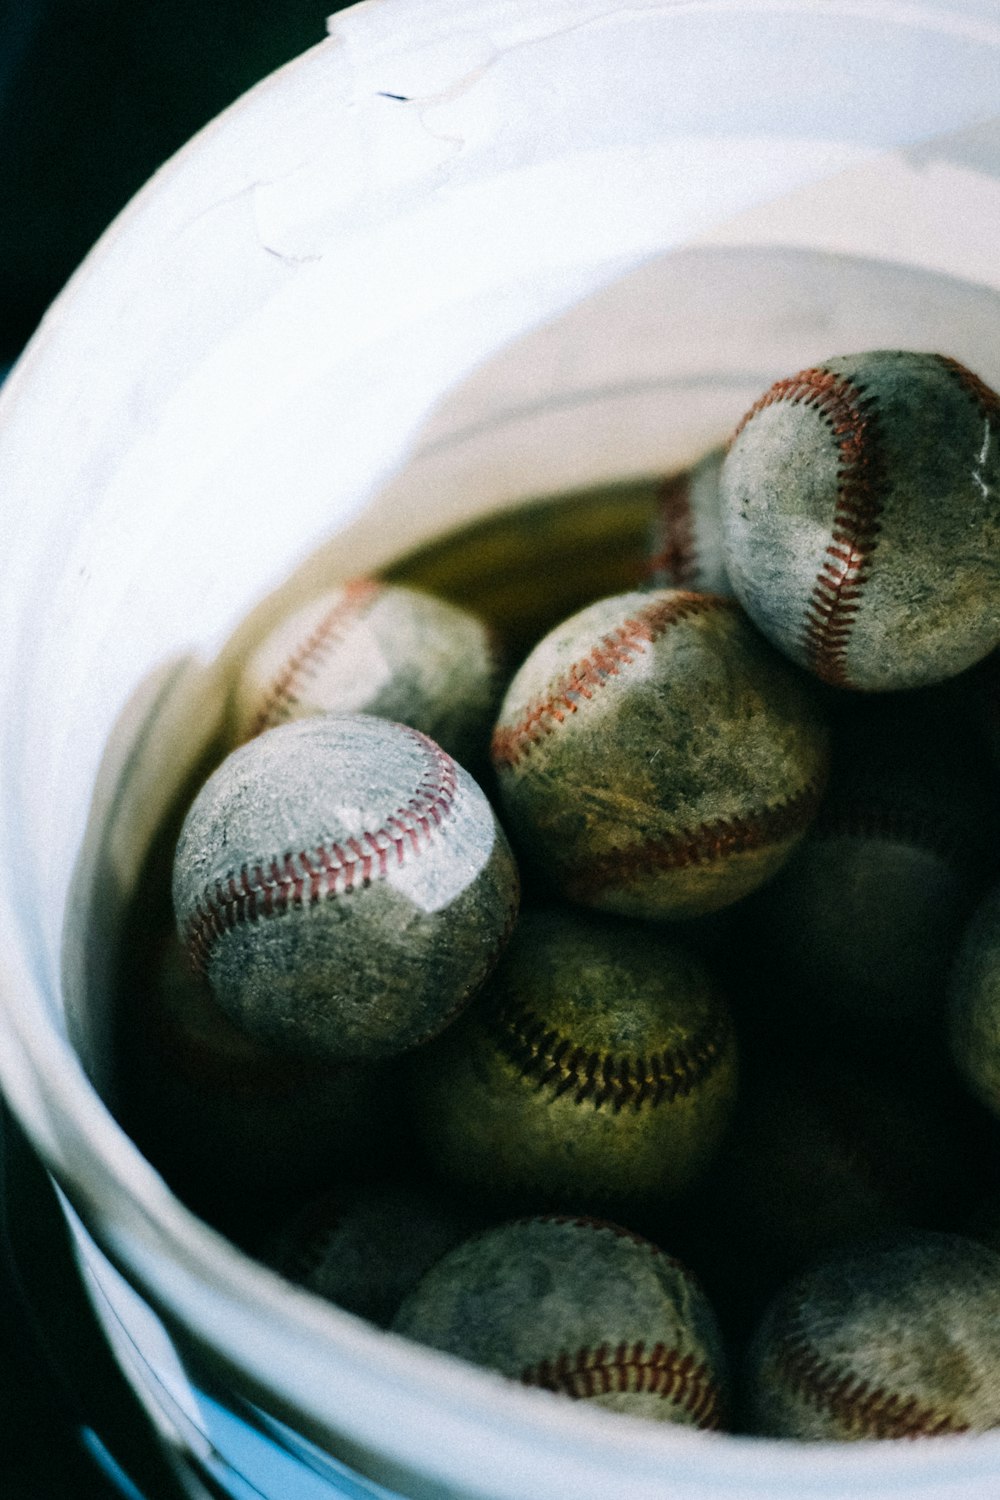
[463,252]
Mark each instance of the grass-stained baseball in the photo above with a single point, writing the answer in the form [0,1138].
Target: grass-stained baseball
[378,648]
[344,886]
[656,757]
[861,518]
[585,1309]
[895,1339]
[596,1071]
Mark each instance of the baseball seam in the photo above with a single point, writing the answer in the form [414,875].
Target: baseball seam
[774,823]
[615,650]
[856,1403]
[985,398]
[677,555]
[633,1368]
[607,1226]
[588,1221]
[275,885]
[862,485]
[306,660]
[543,1054]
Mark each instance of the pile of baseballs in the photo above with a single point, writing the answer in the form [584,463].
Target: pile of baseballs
[464,945]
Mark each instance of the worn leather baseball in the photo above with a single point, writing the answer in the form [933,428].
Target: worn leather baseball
[372,647]
[895,1339]
[597,1071]
[344,886]
[581,1308]
[686,534]
[861,524]
[656,757]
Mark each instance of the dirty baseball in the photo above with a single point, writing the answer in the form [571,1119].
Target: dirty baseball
[581,1308]
[377,648]
[656,757]
[344,886]
[597,1069]
[893,1339]
[861,523]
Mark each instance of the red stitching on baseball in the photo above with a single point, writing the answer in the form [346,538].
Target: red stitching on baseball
[306,660]
[985,398]
[862,482]
[660,1371]
[875,1411]
[541,1053]
[587,1221]
[718,839]
[615,650]
[271,887]
[678,556]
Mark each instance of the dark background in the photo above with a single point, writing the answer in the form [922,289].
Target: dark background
[94,96]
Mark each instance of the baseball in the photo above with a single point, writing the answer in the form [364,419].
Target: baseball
[686,535]
[884,881]
[581,1308]
[861,522]
[344,886]
[372,647]
[818,1157]
[366,1245]
[656,757]
[597,1070]
[895,1339]
[974,1003]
